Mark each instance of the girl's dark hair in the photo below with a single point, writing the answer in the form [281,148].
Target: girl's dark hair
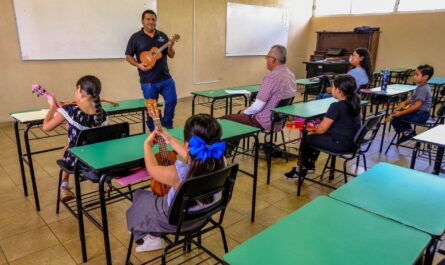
[209,130]
[92,86]
[347,85]
[366,63]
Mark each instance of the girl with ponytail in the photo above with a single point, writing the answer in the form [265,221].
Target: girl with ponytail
[337,130]
[202,151]
[86,113]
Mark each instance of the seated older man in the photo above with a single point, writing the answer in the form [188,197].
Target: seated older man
[277,85]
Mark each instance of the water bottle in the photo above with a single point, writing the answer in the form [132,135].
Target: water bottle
[385,79]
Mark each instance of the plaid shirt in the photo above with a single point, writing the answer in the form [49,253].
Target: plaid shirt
[277,85]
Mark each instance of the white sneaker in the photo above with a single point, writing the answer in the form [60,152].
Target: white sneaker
[151,243]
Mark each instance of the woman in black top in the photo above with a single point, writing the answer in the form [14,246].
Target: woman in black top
[337,130]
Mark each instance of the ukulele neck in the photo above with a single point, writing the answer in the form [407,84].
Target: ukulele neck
[162,145]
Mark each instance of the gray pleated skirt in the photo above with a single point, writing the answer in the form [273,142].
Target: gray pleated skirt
[149,215]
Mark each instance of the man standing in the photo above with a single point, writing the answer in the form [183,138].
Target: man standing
[279,84]
[156,80]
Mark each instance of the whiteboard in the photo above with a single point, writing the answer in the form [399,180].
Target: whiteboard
[77,29]
[253,30]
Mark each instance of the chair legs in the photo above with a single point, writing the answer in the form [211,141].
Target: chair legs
[284,147]
[223,235]
[130,247]
[58,192]
[391,143]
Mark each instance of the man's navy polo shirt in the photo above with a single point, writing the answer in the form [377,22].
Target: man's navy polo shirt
[140,42]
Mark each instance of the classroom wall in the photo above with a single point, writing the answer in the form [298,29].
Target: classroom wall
[120,80]
[406,40]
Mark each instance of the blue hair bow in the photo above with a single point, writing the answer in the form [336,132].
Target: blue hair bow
[202,151]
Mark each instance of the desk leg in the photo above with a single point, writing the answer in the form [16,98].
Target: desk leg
[103,210]
[20,154]
[80,213]
[414,155]
[268,150]
[193,104]
[302,142]
[212,106]
[430,251]
[144,122]
[31,166]
[438,160]
[227,105]
[255,178]
[384,126]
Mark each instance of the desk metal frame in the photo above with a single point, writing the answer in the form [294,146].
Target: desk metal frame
[119,115]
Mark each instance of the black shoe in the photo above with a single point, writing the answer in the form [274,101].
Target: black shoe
[295,173]
[406,136]
[402,139]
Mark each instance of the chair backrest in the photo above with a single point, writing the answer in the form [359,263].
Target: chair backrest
[376,79]
[280,119]
[406,75]
[200,187]
[359,88]
[104,133]
[367,133]
[441,112]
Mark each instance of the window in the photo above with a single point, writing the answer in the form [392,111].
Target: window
[332,7]
[416,5]
[358,7]
[372,6]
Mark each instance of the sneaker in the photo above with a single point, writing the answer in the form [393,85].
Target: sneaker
[151,243]
[66,194]
[295,172]
[406,136]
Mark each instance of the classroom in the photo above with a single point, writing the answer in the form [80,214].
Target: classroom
[222,132]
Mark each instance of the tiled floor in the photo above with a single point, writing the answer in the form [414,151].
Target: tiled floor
[30,237]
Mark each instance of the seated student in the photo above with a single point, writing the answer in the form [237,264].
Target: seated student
[362,70]
[415,108]
[337,129]
[279,84]
[203,152]
[86,113]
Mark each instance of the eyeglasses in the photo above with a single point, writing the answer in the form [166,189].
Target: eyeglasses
[269,56]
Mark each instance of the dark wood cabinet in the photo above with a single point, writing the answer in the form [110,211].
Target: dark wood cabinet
[344,41]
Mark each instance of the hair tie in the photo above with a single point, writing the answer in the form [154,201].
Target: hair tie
[202,151]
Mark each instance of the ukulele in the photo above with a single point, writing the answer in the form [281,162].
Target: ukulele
[149,58]
[40,91]
[163,157]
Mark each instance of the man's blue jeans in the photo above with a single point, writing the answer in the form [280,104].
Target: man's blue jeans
[168,91]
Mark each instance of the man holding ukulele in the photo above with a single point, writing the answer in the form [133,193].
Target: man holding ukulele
[155,79]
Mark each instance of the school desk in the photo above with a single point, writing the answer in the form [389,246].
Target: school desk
[30,122]
[109,156]
[393,91]
[211,97]
[413,198]
[305,85]
[433,137]
[326,231]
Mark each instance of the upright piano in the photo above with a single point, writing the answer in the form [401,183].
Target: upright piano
[334,48]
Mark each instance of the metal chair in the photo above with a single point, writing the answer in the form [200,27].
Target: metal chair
[191,190]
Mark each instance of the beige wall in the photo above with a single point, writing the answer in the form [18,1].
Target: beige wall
[120,80]
[406,40]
